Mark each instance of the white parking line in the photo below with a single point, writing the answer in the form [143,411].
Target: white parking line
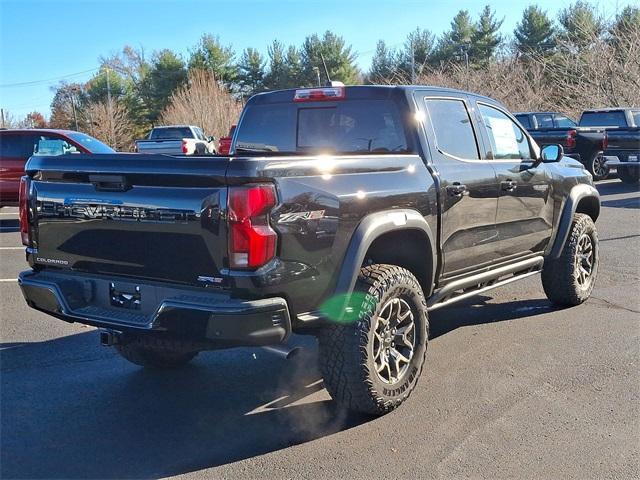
[7,280]
[12,248]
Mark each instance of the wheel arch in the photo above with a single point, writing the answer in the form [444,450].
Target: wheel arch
[582,198]
[394,237]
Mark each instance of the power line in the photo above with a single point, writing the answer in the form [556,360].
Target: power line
[37,82]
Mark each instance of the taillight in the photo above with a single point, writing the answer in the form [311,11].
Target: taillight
[252,242]
[23,202]
[605,141]
[185,149]
[319,94]
[224,145]
[571,138]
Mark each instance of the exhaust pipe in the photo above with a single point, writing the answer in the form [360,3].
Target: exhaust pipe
[109,338]
[284,351]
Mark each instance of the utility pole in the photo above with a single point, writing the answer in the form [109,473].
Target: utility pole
[464,52]
[413,63]
[109,108]
[317,70]
[73,108]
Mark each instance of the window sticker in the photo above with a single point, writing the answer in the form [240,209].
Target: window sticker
[504,137]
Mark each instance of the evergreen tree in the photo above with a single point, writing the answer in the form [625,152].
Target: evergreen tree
[535,32]
[251,72]
[294,68]
[276,76]
[97,88]
[339,58]
[167,72]
[626,23]
[416,52]
[209,54]
[383,64]
[285,67]
[456,40]
[580,24]
[485,38]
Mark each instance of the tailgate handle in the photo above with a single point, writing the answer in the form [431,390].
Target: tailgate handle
[109,183]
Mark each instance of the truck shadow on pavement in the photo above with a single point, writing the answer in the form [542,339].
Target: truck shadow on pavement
[615,188]
[73,409]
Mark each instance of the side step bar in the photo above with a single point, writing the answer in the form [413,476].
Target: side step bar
[481,282]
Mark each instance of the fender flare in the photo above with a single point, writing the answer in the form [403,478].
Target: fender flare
[372,227]
[578,193]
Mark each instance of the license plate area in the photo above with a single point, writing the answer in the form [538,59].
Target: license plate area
[128,298]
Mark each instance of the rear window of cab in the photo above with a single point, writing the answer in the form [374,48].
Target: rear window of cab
[341,127]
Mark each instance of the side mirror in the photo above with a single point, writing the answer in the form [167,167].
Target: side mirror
[551,153]
[211,139]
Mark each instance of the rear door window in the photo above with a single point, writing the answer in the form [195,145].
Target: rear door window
[544,120]
[452,127]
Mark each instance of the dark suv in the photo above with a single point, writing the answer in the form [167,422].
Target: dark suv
[348,213]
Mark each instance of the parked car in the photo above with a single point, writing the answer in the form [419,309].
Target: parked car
[586,145]
[16,146]
[348,213]
[177,140]
[623,132]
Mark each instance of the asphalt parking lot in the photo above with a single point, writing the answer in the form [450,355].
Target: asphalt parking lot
[513,388]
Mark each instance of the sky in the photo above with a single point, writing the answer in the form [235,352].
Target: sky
[45,41]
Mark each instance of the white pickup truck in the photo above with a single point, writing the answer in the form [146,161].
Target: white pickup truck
[177,140]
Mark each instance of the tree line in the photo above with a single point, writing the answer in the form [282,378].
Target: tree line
[132,91]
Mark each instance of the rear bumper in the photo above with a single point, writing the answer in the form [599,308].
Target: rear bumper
[623,159]
[213,318]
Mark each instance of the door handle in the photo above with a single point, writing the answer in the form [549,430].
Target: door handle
[456,190]
[509,185]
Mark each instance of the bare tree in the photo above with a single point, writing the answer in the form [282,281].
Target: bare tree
[604,73]
[111,125]
[204,102]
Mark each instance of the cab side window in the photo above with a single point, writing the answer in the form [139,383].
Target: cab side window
[544,120]
[563,122]
[508,140]
[452,127]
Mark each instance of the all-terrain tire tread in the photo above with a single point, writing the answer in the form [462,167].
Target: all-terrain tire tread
[343,348]
[558,279]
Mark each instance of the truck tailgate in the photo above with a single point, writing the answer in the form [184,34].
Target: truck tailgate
[169,147]
[144,216]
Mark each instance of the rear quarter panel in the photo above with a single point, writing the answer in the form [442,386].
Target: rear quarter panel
[322,201]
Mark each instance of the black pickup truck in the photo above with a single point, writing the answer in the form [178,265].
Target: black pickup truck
[622,126]
[348,213]
[586,144]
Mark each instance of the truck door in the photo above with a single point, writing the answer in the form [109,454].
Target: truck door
[525,206]
[467,184]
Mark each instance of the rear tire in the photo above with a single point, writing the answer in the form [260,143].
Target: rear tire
[155,353]
[569,279]
[372,364]
[629,175]
[597,166]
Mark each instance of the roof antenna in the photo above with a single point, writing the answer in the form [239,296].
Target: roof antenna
[331,83]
